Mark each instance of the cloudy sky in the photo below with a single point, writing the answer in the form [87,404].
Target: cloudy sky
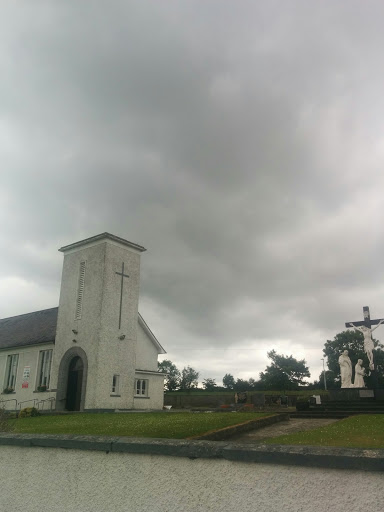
[242,143]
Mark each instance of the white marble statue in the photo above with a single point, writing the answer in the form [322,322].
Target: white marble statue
[368,342]
[359,375]
[345,370]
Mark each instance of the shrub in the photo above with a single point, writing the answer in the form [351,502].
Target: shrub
[5,426]
[29,412]
[42,388]
[246,408]
[303,403]
[8,390]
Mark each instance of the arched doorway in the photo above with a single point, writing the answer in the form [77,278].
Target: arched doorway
[75,379]
[72,380]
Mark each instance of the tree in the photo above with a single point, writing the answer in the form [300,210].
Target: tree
[209,384]
[284,373]
[228,381]
[330,378]
[241,385]
[189,378]
[172,381]
[353,341]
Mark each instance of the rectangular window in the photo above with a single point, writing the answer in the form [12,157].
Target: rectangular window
[116,384]
[141,386]
[44,372]
[11,372]
[80,291]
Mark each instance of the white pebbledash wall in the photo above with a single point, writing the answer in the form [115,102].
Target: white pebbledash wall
[27,397]
[58,480]
[98,332]
[155,398]
[146,352]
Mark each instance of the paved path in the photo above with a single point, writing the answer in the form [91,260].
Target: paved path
[281,428]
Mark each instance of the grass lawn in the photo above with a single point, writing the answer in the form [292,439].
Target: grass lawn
[166,425]
[364,431]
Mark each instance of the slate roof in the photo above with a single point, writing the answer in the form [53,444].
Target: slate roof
[28,329]
[40,327]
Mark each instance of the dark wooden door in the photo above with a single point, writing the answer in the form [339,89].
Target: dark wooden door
[75,377]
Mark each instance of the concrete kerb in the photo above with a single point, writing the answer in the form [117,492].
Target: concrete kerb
[171,447]
[75,442]
[227,432]
[310,456]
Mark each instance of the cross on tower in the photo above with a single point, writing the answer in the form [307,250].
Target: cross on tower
[121,290]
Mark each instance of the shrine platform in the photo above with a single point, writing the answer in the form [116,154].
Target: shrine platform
[342,408]
[356,394]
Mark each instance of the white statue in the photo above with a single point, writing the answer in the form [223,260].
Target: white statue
[368,342]
[345,370]
[359,375]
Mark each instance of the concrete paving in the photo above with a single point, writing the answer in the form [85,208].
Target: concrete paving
[282,428]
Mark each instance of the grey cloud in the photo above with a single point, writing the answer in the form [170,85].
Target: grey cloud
[236,144]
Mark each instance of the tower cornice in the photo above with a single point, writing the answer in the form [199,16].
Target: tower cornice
[102,238]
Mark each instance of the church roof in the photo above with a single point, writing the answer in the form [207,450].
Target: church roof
[29,329]
[40,327]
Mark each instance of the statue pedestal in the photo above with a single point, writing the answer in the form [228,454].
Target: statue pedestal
[353,394]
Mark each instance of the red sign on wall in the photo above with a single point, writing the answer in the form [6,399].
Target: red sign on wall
[24,384]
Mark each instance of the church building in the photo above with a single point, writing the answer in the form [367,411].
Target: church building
[94,352]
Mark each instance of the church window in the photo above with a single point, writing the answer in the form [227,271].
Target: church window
[116,384]
[80,291]
[11,371]
[44,372]
[141,386]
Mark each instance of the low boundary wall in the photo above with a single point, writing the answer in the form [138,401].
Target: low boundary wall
[212,400]
[258,399]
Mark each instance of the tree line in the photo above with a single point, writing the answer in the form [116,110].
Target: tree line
[284,372]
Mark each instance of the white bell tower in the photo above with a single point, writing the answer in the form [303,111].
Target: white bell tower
[97,324]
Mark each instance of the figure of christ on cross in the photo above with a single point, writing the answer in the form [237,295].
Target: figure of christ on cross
[121,290]
[365,327]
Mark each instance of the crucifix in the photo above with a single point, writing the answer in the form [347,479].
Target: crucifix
[121,289]
[365,327]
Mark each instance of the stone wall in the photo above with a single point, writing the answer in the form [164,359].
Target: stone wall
[216,399]
[181,401]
